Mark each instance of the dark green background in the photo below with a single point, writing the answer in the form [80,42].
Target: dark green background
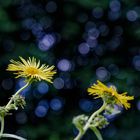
[69,28]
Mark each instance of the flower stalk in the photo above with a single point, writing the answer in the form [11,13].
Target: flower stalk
[8,107]
[2,125]
[95,114]
[31,70]
[110,98]
[97,133]
[21,89]
[88,124]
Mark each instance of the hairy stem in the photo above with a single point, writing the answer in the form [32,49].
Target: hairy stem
[93,115]
[79,136]
[2,125]
[7,106]
[21,89]
[87,125]
[97,133]
[12,136]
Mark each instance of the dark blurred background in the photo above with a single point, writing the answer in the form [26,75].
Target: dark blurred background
[86,40]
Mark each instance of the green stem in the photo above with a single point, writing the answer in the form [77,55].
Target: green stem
[21,89]
[79,136]
[97,133]
[93,115]
[12,136]
[2,125]
[7,106]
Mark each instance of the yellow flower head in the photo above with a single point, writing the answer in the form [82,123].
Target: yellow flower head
[31,69]
[101,90]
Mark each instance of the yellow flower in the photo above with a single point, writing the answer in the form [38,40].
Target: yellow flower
[31,69]
[101,90]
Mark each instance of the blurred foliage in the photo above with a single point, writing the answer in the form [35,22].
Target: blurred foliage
[113,56]
[93,3]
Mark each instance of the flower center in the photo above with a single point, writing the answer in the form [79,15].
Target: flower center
[32,71]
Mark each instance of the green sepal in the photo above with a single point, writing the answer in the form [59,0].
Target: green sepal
[4,111]
[99,121]
[19,101]
[110,110]
[80,121]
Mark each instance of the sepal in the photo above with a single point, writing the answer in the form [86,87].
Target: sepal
[80,121]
